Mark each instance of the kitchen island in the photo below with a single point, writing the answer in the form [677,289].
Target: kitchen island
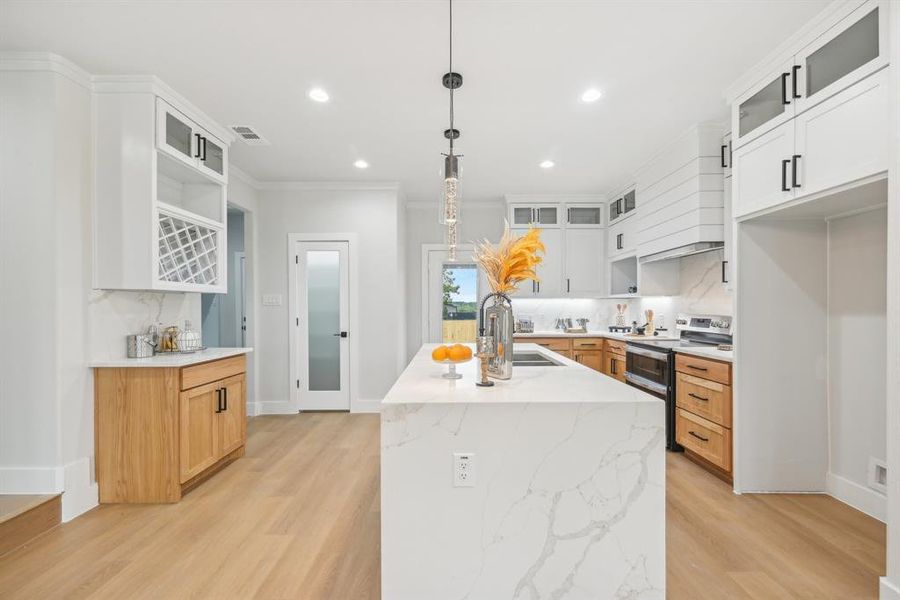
[566,476]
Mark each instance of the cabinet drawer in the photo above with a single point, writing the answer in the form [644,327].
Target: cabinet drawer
[556,344]
[704,438]
[588,343]
[215,370]
[703,368]
[708,399]
[615,346]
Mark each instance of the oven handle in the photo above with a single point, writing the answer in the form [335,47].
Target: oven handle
[642,382]
[648,353]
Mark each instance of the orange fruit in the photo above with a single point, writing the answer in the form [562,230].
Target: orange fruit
[439,353]
[458,352]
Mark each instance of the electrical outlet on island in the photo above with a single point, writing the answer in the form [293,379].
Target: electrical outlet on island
[463,469]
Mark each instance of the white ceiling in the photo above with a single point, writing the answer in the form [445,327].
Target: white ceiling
[661,65]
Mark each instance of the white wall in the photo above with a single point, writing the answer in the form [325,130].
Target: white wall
[376,338]
[478,220]
[857,315]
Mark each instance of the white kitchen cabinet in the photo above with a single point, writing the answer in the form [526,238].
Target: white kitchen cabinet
[623,205]
[159,208]
[584,215]
[550,271]
[842,139]
[762,169]
[763,107]
[622,238]
[728,231]
[584,262]
[539,215]
[725,155]
[181,138]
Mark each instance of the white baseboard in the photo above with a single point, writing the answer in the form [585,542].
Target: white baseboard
[31,480]
[859,497]
[365,405]
[889,591]
[81,492]
[278,407]
[254,409]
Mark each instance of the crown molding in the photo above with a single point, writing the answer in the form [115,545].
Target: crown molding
[244,176]
[45,61]
[464,206]
[304,186]
[554,197]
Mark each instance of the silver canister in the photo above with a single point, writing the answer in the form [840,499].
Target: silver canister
[497,321]
[141,345]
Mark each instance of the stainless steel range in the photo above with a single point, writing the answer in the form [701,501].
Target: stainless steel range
[650,364]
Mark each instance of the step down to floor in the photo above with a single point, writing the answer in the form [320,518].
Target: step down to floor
[23,518]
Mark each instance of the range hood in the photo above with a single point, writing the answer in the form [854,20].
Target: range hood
[686,250]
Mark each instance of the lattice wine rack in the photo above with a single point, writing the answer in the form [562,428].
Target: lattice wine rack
[188,252]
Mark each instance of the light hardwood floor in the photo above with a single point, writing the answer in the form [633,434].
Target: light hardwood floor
[298,518]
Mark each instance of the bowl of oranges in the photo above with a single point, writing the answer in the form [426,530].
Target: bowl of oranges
[451,355]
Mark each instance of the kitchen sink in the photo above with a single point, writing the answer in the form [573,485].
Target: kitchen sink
[533,359]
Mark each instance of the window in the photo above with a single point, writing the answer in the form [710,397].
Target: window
[460,302]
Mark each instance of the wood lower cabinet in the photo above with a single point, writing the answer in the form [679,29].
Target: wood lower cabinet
[703,415]
[601,354]
[590,358]
[160,431]
[614,359]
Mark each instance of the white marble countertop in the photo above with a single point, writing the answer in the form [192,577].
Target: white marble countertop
[710,352]
[570,382]
[172,360]
[595,334]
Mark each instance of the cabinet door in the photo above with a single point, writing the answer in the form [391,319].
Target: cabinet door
[592,359]
[852,49]
[550,271]
[585,260]
[176,135]
[728,230]
[844,138]
[614,366]
[725,155]
[580,216]
[615,209]
[764,107]
[233,417]
[521,215]
[629,202]
[762,171]
[198,429]
[547,215]
[213,157]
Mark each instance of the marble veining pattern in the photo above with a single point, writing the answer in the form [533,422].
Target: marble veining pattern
[568,502]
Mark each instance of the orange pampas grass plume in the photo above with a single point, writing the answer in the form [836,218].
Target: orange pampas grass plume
[511,261]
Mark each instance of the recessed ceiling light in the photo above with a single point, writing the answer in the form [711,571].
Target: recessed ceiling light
[361,164]
[591,95]
[547,164]
[318,94]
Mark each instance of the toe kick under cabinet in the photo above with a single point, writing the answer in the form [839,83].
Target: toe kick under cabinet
[161,431]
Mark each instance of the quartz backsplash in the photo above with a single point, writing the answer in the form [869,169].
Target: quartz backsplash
[701,291]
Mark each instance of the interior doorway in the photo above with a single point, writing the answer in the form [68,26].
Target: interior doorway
[224,316]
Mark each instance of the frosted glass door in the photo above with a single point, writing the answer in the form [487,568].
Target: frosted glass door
[322,325]
[176,135]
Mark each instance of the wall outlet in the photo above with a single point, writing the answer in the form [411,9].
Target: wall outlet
[877,478]
[463,469]
[271,300]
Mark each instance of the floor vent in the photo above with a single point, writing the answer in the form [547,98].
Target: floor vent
[249,135]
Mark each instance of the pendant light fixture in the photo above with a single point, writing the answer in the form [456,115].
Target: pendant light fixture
[449,212]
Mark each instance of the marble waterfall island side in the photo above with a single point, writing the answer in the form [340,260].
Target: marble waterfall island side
[568,500]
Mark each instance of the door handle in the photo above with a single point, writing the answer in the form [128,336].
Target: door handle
[784,185]
[784,98]
[699,437]
[696,397]
[724,147]
[197,154]
[568,285]
[218,400]
[203,158]
[342,334]
[225,394]
[724,279]
[794,164]
[795,70]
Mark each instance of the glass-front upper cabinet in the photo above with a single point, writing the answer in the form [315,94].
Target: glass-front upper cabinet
[629,202]
[584,215]
[175,134]
[542,215]
[852,49]
[764,107]
[615,209]
[212,156]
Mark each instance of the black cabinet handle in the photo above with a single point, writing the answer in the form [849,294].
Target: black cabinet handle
[569,215]
[724,279]
[794,181]
[784,185]
[568,285]
[225,393]
[612,366]
[699,437]
[795,70]
[539,287]
[724,147]
[197,154]
[203,158]
[696,368]
[619,243]
[219,400]
[700,398]
[784,98]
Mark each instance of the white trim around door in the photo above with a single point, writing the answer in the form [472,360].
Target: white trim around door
[299,399]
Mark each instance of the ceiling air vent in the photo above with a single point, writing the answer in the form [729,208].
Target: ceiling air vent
[249,135]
